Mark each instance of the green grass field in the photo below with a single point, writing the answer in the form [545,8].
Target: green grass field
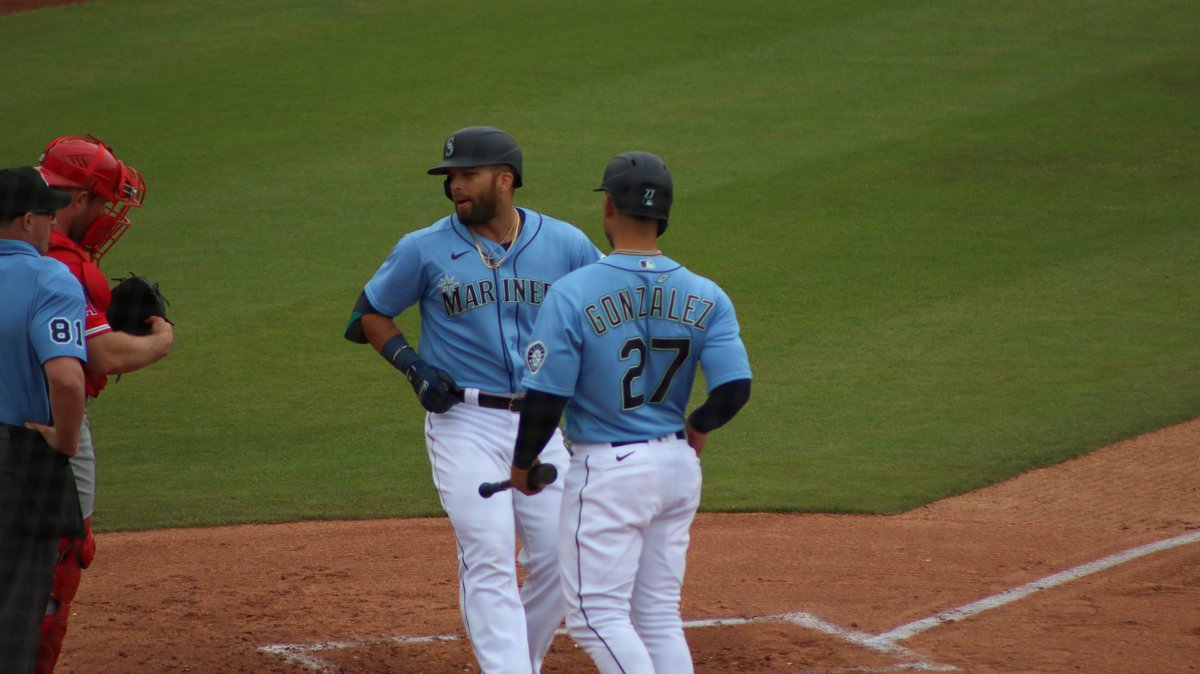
[961,236]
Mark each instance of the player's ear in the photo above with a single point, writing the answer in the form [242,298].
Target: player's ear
[609,209]
[507,179]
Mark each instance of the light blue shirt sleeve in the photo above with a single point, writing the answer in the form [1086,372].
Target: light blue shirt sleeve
[723,356]
[556,347]
[57,328]
[396,285]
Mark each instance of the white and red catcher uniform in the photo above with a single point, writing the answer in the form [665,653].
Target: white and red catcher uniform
[475,324]
[76,555]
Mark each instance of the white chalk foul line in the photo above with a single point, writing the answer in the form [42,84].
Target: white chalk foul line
[1008,596]
[302,654]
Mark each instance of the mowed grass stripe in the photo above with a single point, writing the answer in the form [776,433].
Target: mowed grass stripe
[957,235]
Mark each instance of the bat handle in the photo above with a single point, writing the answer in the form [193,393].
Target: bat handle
[540,476]
[487,489]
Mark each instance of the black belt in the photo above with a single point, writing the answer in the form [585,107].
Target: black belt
[14,432]
[512,403]
[679,435]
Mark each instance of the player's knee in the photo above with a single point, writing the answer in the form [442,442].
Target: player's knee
[585,624]
[491,552]
[87,547]
[656,617]
[67,572]
[578,628]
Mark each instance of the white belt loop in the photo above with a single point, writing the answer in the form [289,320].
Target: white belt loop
[471,396]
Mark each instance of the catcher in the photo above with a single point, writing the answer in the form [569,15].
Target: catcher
[103,190]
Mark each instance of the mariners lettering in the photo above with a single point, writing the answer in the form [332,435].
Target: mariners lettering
[462,297]
[631,304]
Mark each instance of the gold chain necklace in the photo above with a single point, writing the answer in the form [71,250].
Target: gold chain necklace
[510,238]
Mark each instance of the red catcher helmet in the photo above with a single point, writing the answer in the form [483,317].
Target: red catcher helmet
[86,163]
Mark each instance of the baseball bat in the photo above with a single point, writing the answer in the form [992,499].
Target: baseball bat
[539,476]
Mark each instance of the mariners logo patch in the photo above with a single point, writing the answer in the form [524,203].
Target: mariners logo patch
[447,284]
[450,146]
[535,355]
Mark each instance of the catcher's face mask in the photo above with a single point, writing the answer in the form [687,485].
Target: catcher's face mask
[85,162]
[104,231]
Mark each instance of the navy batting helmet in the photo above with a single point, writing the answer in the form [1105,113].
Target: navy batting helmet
[480,146]
[639,184]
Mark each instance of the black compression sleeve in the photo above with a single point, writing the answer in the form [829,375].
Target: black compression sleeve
[540,413]
[354,331]
[723,403]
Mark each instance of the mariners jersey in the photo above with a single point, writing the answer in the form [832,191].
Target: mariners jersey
[96,296]
[41,318]
[475,321]
[622,338]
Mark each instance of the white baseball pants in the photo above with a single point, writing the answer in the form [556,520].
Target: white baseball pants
[626,518]
[510,631]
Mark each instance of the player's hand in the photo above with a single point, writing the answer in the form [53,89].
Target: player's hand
[522,482]
[163,329]
[51,436]
[695,438]
[434,388]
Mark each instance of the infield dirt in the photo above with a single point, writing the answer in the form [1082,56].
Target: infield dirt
[351,596]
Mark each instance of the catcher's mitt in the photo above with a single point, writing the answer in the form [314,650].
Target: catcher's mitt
[134,300]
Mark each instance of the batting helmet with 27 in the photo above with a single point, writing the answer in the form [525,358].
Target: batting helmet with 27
[639,184]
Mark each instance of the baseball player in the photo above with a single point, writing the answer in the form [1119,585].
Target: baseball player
[616,345]
[103,189]
[479,277]
[41,409]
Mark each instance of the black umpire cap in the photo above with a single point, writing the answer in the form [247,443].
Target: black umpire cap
[639,184]
[24,190]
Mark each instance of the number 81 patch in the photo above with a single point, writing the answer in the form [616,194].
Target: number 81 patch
[63,331]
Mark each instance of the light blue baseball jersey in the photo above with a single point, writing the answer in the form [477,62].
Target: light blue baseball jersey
[622,338]
[41,318]
[475,321]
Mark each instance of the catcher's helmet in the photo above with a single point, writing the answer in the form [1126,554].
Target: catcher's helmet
[86,163]
[480,146]
[639,184]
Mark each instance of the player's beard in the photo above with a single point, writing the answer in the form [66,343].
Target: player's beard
[481,209]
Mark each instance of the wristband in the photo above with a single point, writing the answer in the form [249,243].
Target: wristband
[399,353]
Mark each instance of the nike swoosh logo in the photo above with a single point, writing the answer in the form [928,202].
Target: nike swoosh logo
[622,457]
[455,256]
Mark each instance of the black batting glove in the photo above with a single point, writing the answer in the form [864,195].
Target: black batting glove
[434,388]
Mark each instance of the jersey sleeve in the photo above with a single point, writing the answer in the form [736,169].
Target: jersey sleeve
[57,326]
[396,285]
[553,356]
[723,357]
[584,252]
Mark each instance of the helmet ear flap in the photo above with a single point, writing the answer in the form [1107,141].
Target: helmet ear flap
[446,188]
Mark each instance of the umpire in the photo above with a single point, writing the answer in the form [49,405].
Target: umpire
[41,409]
